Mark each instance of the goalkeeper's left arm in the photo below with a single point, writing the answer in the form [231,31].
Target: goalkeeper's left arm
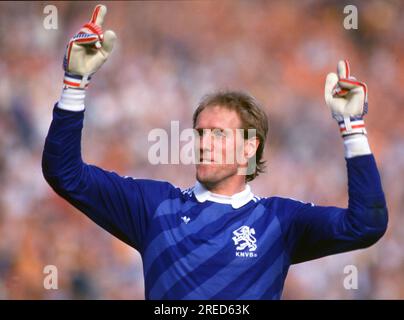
[316,231]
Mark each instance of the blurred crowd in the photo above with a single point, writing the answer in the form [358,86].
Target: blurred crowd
[168,55]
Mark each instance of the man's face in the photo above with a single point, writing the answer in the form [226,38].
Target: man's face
[220,145]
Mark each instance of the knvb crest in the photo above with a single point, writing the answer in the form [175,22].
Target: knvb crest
[245,242]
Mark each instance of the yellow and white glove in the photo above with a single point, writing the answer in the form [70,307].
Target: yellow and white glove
[85,53]
[87,50]
[347,99]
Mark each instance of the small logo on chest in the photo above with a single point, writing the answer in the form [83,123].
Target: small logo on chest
[245,242]
[186,219]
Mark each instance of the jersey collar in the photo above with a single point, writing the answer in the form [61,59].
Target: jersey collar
[237,200]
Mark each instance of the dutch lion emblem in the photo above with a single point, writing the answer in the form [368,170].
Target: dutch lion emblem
[243,238]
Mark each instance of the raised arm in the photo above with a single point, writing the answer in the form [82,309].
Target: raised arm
[119,205]
[315,231]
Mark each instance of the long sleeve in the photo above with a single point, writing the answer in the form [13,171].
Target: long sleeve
[315,231]
[120,205]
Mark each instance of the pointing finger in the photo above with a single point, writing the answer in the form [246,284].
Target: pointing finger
[343,69]
[98,15]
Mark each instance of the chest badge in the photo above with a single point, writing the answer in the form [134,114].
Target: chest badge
[245,242]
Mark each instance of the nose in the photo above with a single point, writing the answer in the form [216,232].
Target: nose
[203,144]
[205,141]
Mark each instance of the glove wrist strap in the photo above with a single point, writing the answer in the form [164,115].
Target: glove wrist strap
[352,125]
[76,81]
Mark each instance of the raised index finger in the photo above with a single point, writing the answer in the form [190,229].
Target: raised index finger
[343,69]
[98,15]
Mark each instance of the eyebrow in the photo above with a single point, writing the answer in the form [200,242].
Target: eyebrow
[211,128]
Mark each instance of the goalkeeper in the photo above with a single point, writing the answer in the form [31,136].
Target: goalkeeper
[216,240]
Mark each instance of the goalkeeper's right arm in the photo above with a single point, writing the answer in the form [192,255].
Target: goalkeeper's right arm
[85,53]
[113,202]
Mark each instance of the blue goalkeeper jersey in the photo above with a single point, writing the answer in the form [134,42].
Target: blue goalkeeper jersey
[197,245]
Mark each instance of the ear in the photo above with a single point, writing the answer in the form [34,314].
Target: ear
[251,147]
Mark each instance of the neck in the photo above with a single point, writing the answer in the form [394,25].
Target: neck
[227,187]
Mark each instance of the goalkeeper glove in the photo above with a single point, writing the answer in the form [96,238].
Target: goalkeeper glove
[85,54]
[87,51]
[347,99]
